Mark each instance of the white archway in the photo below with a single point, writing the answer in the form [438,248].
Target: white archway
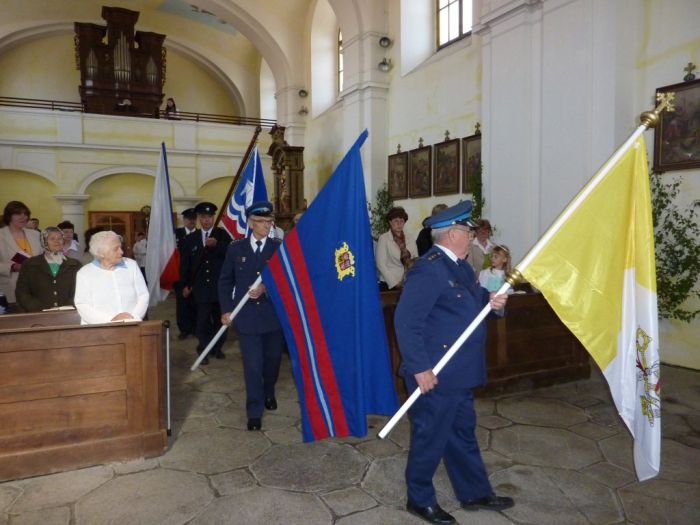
[175,187]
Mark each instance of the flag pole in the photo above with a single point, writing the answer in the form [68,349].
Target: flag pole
[224,327]
[246,157]
[649,119]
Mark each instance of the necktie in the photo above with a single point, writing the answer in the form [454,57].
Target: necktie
[258,251]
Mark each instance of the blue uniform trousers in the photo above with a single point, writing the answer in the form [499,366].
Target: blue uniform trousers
[185,311]
[442,427]
[262,354]
[208,323]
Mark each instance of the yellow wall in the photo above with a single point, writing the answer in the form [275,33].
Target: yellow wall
[43,69]
[215,190]
[35,192]
[194,89]
[122,192]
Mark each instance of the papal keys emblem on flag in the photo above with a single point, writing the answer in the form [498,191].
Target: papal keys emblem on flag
[344,262]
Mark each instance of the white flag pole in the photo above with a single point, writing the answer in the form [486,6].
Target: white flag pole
[648,119]
[224,327]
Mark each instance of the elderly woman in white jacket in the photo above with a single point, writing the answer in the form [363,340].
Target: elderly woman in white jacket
[395,249]
[110,288]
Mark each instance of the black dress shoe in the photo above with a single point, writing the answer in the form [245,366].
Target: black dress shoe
[491,502]
[254,423]
[220,355]
[204,361]
[432,514]
[271,403]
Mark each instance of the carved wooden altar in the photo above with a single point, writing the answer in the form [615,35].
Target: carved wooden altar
[288,167]
[121,72]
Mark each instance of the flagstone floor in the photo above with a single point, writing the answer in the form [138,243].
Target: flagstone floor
[561,452]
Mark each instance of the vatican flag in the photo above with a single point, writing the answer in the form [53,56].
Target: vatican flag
[596,269]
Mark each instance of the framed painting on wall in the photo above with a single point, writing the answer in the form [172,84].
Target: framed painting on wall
[446,173]
[471,159]
[677,136]
[398,175]
[419,171]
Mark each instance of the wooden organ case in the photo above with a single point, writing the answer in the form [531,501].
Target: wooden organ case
[121,72]
[288,167]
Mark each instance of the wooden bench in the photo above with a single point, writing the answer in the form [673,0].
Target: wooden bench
[73,396]
[528,348]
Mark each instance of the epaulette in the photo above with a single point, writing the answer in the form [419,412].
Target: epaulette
[234,241]
[434,256]
[275,239]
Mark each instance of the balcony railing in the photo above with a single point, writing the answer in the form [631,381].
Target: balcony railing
[58,105]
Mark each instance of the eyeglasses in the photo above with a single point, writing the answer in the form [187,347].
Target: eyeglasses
[262,221]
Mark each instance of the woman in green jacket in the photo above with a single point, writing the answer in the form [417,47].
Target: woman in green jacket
[47,280]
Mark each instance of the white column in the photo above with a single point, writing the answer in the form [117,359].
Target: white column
[73,210]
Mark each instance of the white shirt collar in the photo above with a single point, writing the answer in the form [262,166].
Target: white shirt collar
[449,253]
[253,242]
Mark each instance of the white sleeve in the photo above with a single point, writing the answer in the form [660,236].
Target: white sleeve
[141,290]
[83,299]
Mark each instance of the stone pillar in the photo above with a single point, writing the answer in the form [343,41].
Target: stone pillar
[365,105]
[73,210]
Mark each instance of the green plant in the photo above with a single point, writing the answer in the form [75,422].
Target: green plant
[377,213]
[477,193]
[677,240]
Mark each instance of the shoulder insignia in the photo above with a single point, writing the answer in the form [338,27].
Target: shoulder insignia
[435,255]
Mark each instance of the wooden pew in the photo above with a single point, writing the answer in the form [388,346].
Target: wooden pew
[528,348]
[73,396]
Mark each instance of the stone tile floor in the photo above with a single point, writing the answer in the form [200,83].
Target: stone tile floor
[561,452]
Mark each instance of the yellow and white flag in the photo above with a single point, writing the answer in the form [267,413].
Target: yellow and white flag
[597,271]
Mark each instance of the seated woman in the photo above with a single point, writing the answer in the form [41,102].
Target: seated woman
[395,249]
[17,244]
[110,288]
[47,280]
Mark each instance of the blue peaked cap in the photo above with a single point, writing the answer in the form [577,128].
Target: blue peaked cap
[460,213]
[261,208]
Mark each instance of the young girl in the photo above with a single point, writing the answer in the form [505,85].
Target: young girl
[493,278]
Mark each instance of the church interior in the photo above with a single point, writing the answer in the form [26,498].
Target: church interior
[532,96]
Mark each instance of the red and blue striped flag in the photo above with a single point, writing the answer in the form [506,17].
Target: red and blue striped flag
[323,283]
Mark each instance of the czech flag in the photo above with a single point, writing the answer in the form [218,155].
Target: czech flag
[162,255]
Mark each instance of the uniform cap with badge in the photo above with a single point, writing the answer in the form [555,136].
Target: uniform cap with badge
[460,213]
[189,213]
[205,208]
[259,209]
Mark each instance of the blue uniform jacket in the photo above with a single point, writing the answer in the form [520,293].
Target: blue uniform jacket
[438,302]
[240,270]
[199,267]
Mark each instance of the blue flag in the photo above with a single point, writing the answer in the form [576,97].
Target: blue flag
[323,283]
[250,188]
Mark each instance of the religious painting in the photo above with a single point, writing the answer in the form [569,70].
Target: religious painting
[471,160]
[398,175]
[677,136]
[419,172]
[447,168]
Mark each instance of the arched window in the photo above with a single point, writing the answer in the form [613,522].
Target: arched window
[340,61]
[454,20]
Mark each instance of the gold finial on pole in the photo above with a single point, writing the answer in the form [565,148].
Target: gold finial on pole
[650,119]
[514,277]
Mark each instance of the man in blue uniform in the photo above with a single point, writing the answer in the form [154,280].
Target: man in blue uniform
[259,331]
[441,297]
[185,309]
[202,256]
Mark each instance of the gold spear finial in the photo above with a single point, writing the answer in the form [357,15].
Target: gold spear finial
[665,102]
